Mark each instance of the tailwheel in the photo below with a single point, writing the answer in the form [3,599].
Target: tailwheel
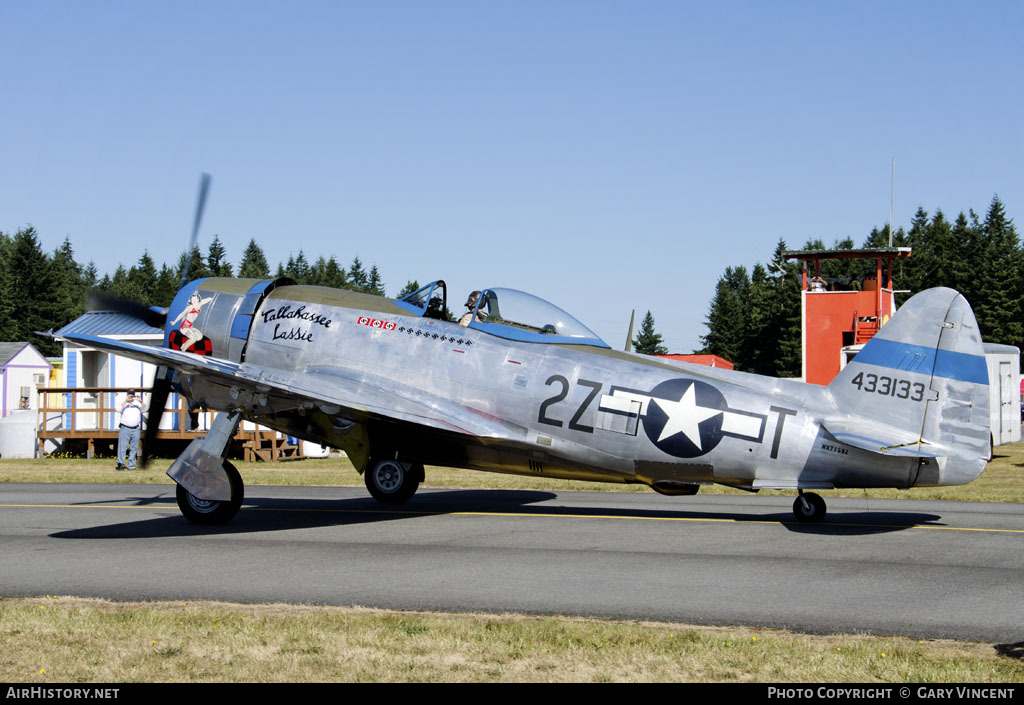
[809,508]
[392,482]
[205,511]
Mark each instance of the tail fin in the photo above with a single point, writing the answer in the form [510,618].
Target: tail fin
[920,388]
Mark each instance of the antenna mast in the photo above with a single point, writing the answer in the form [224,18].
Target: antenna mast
[892,197]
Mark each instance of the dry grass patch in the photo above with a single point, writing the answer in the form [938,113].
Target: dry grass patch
[72,640]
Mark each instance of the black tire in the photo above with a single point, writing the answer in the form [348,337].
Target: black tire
[392,482]
[201,511]
[813,512]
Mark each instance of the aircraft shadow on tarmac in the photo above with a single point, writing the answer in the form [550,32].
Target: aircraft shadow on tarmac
[283,514]
[859,523]
[1015,650]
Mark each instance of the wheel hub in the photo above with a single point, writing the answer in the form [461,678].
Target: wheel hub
[389,476]
[205,506]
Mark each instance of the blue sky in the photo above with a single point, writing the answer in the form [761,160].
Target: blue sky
[604,155]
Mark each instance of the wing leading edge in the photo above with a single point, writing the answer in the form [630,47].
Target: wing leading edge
[358,396]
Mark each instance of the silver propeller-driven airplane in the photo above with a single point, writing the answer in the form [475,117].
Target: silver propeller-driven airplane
[525,388]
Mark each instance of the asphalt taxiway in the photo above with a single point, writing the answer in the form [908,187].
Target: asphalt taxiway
[920,569]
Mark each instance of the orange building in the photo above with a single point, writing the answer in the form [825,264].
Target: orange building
[709,360]
[837,323]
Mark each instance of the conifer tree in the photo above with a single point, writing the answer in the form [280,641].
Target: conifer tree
[942,253]
[301,268]
[998,303]
[254,263]
[964,266]
[90,277]
[334,275]
[167,284]
[197,268]
[118,285]
[727,316]
[785,317]
[68,282]
[910,272]
[329,273]
[648,341]
[216,259]
[31,300]
[758,350]
[6,331]
[409,287]
[297,268]
[374,284]
[143,280]
[357,278]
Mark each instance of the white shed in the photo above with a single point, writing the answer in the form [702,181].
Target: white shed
[1004,392]
[23,369]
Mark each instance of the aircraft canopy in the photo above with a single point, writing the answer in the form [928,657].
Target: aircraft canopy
[514,314]
[511,314]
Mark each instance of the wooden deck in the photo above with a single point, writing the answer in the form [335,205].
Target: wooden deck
[91,414]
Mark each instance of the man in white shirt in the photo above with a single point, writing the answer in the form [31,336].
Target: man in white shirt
[128,432]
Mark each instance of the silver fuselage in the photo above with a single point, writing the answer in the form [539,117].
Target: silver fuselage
[558,410]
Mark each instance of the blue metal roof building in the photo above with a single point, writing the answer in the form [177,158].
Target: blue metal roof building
[109,324]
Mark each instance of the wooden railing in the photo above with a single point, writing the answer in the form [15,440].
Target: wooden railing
[92,413]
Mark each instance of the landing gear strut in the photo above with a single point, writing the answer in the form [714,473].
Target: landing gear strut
[809,508]
[210,490]
[392,482]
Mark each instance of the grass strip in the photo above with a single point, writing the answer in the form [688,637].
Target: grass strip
[68,640]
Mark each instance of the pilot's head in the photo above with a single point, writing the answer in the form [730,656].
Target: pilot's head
[471,301]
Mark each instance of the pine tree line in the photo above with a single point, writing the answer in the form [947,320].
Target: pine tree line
[754,320]
[40,291]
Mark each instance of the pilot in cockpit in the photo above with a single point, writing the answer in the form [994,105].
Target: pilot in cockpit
[468,316]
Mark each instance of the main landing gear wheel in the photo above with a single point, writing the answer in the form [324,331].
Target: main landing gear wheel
[392,482]
[809,508]
[204,511]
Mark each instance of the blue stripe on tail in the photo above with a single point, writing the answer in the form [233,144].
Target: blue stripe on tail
[896,355]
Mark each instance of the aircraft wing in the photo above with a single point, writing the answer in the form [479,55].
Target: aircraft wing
[358,396]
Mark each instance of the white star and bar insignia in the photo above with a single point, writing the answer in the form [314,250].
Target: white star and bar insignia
[688,417]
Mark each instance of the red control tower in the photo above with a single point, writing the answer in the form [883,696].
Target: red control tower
[837,323]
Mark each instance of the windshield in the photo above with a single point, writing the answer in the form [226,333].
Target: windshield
[429,301]
[515,314]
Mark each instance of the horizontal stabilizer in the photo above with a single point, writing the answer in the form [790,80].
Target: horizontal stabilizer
[880,439]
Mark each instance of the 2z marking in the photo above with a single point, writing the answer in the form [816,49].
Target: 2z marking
[574,422]
[889,386]
[542,416]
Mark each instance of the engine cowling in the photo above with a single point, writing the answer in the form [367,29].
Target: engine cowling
[212,316]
